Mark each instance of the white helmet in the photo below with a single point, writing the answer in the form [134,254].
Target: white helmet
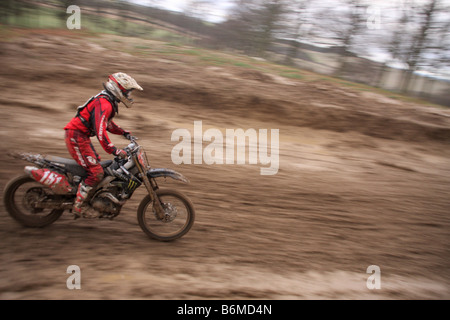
[120,85]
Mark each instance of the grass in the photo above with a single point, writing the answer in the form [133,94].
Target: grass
[40,17]
[291,74]
[243,65]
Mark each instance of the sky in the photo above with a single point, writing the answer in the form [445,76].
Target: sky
[214,11]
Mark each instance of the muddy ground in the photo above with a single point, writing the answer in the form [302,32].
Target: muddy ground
[363,180]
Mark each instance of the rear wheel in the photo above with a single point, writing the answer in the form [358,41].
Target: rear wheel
[178,220]
[21,198]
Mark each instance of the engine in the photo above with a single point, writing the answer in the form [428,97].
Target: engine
[106,203]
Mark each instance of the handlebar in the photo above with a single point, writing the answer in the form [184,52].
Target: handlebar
[130,147]
[133,145]
[132,138]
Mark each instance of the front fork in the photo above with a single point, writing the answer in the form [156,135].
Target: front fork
[151,189]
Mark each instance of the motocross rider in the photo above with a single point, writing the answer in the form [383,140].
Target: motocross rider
[94,118]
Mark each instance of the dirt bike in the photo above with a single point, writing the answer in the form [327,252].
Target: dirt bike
[39,198]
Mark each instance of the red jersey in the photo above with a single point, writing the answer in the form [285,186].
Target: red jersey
[98,115]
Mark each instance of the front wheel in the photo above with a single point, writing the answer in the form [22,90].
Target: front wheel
[178,218]
[21,198]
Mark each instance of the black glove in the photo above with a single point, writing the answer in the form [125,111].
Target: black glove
[122,154]
[127,135]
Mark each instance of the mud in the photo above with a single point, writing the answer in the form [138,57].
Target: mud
[363,180]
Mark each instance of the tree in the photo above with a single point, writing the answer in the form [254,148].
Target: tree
[421,39]
[269,16]
[297,18]
[197,8]
[252,25]
[342,25]
[354,23]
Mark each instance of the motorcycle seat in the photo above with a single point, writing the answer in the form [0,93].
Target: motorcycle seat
[72,166]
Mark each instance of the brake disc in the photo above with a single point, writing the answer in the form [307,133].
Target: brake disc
[170,212]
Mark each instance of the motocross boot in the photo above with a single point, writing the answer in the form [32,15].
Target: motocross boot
[80,207]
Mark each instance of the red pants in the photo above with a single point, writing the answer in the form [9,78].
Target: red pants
[81,149]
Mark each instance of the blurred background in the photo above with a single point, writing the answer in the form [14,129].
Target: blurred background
[400,45]
[359,91]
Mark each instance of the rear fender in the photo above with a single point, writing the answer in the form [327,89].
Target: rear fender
[157,173]
[55,181]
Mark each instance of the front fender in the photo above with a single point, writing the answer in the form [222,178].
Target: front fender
[156,173]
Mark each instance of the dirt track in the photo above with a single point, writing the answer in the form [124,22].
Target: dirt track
[363,180]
